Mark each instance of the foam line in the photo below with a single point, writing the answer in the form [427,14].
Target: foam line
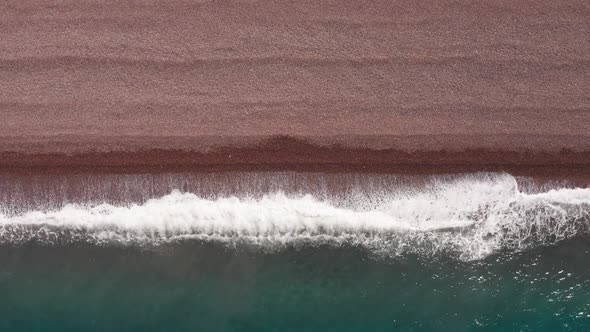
[471,218]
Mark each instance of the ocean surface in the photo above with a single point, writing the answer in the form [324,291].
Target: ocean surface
[293,252]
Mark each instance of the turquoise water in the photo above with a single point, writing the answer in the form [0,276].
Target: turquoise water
[200,286]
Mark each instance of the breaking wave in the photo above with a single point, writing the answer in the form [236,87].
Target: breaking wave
[469,218]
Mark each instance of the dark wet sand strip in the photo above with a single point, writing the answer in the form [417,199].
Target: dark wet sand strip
[289,154]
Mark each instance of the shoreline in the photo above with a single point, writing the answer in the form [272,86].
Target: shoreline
[290,154]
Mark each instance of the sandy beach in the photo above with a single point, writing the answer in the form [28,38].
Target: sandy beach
[389,86]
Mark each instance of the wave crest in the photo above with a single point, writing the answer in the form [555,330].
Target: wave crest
[470,218]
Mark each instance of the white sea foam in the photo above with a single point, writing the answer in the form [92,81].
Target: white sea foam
[471,217]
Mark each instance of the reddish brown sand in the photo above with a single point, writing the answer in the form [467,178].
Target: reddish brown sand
[395,86]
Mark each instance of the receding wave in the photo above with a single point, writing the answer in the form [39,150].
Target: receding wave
[470,218]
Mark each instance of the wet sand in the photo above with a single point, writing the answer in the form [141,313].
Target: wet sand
[289,154]
[381,86]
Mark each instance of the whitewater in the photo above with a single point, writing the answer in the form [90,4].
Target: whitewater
[469,217]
